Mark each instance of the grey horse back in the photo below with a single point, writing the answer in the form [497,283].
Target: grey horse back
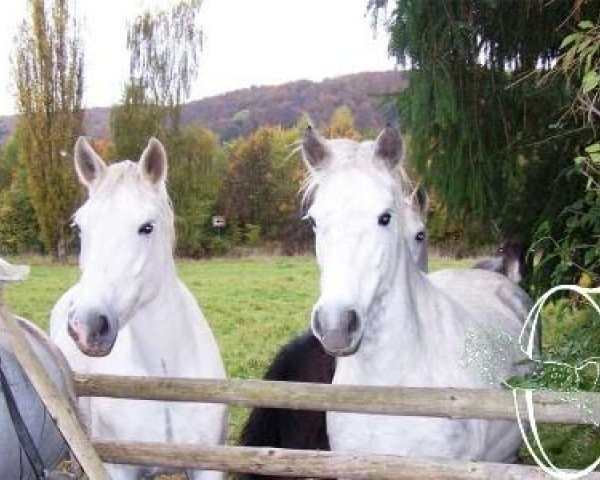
[52,447]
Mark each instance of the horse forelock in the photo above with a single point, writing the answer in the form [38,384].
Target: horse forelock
[348,154]
[126,175]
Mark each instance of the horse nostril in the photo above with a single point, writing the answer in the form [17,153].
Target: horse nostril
[104,326]
[353,322]
[72,332]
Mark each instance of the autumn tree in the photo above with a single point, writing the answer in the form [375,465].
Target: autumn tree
[341,124]
[247,192]
[48,69]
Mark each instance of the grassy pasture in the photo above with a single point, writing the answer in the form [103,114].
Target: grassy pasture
[254,305]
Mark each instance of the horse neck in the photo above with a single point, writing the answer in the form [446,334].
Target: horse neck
[404,324]
[164,315]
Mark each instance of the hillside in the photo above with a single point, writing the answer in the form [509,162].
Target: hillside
[241,111]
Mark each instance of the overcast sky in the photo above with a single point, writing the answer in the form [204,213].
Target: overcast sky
[247,42]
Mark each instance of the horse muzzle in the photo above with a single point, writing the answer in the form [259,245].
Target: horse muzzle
[339,329]
[93,332]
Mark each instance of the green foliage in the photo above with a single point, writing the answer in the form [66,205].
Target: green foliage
[571,242]
[134,121]
[9,155]
[248,185]
[195,173]
[481,124]
[219,245]
[253,235]
[260,188]
[341,124]
[571,335]
[48,65]
[19,230]
[569,251]
[235,234]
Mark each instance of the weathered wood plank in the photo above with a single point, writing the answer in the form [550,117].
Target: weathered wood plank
[290,463]
[58,408]
[551,407]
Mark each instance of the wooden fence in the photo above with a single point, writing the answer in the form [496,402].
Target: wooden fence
[551,407]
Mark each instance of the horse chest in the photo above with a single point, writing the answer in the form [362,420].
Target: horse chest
[412,436]
[415,436]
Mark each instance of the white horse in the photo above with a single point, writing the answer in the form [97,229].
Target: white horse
[129,314]
[391,324]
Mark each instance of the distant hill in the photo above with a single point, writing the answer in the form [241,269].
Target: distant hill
[241,111]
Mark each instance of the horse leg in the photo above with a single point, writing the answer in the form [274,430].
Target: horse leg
[204,475]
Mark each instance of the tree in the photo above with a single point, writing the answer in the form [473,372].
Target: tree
[48,65]
[488,137]
[194,179]
[164,48]
[19,230]
[341,124]
[134,121]
[570,242]
[247,192]
[9,155]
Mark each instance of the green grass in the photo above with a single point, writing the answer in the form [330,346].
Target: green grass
[254,305]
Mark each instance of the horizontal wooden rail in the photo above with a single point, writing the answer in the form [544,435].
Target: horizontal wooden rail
[307,463]
[550,407]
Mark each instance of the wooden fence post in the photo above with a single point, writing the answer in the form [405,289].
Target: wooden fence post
[59,409]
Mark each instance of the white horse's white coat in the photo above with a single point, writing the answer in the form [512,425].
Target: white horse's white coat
[391,324]
[128,279]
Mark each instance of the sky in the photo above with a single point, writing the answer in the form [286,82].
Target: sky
[246,43]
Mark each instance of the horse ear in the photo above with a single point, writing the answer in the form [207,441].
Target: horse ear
[89,166]
[314,149]
[153,163]
[389,146]
[420,199]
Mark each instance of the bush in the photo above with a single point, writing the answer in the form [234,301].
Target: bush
[219,245]
[253,235]
[19,230]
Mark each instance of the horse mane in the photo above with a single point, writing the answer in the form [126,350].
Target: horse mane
[301,360]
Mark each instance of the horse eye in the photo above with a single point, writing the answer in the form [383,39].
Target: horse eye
[75,228]
[384,219]
[419,237]
[146,228]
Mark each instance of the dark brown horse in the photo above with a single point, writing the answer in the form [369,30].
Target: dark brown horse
[509,260]
[301,360]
